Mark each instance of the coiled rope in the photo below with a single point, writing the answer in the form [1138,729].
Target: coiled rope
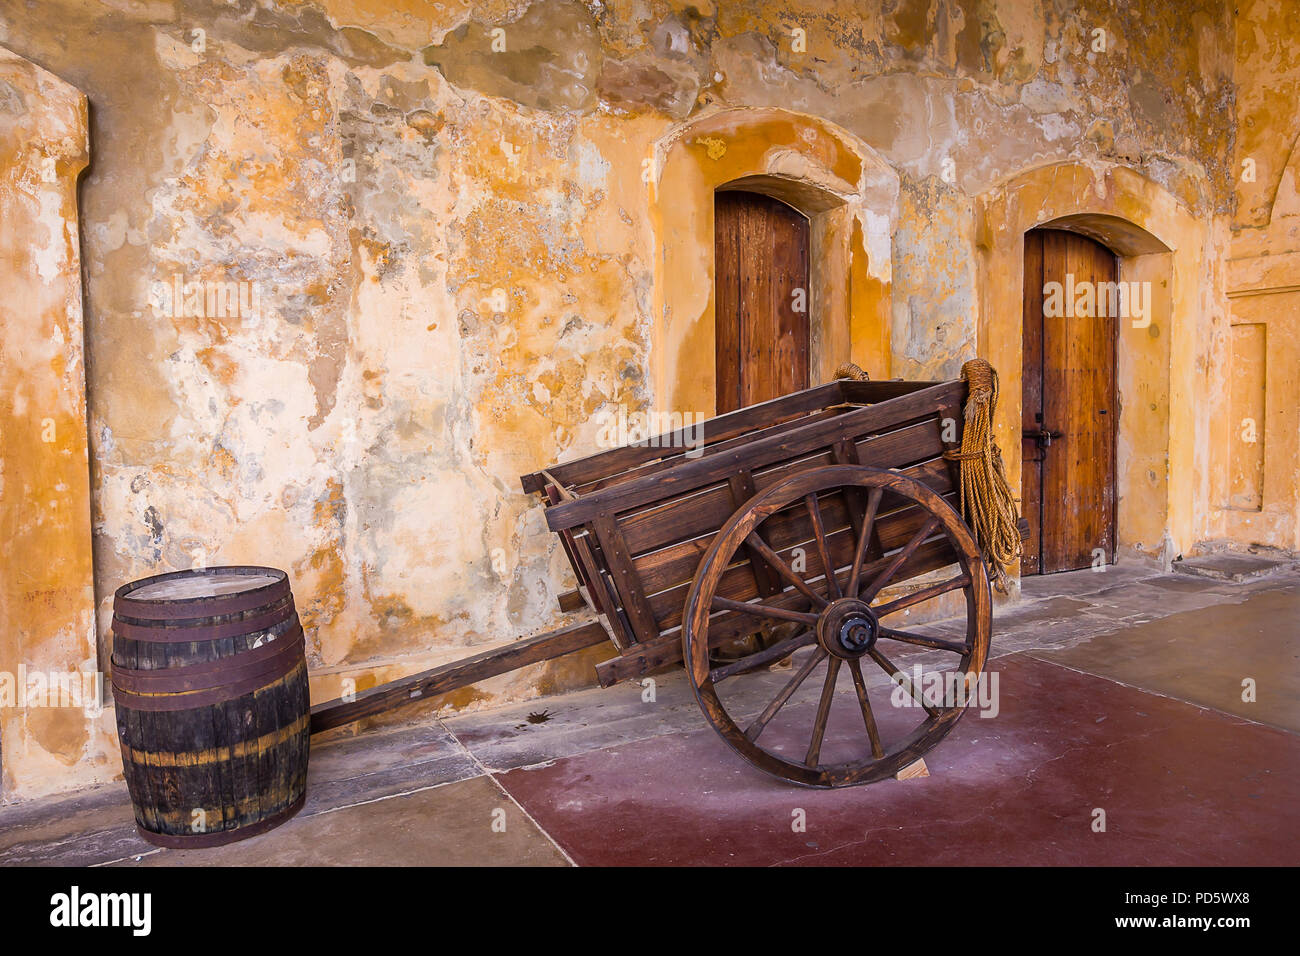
[853,371]
[986,501]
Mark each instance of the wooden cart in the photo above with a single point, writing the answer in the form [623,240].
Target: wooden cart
[711,546]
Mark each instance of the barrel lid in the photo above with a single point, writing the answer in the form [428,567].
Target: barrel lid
[201,592]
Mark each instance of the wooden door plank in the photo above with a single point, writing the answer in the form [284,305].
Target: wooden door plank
[761,257]
[1077,511]
[728,209]
[1031,415]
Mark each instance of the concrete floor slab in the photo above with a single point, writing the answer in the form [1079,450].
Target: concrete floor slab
[1017,789]
[347,770]
[99,827]
[1147,598]
[504,738]
[1087,581]
[93,827]
[1232,566]
[450,825]
[1203,656]
[1046,611]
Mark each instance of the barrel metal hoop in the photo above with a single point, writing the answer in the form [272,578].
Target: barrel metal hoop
[201,675]
[200,607]
[221,837]
[175,695]
[198,629]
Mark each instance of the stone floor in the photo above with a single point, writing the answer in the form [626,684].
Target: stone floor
[1118,691]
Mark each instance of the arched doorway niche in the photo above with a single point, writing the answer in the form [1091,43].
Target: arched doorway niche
[847,191]
[1163,453]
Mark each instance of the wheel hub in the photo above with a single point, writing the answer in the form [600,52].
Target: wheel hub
[847,628]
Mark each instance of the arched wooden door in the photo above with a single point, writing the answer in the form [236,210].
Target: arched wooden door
[761,299]
[1069,402]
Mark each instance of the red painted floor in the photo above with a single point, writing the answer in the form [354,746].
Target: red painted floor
[1179,785]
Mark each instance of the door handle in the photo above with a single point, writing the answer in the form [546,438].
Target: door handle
[1042,436]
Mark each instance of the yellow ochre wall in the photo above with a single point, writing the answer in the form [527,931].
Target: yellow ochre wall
[458,257]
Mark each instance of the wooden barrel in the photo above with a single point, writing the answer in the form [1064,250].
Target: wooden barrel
[210,687]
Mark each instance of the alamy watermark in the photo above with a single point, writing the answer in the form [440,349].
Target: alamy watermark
[38,688]
[182,298]
[1088,299]
[652,428]
[948,689]
[133,911]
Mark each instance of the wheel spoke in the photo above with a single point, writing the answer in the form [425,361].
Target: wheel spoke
[864,539]
[924,594]
[752,661]
[823,550]
[763,610]
[921,640]
[787,692]
[901,679]
[868,717]
[823,713]
[783,569]
[883,578]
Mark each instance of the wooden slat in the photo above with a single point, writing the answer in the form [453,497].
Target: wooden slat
[627,582]
[745,421]
[589,572]
[571,600]
[761,452]
[554,494]
[876,391]
[449,677]
[742,489]
[603,594]
[705,511]
[710,448]
[676,564]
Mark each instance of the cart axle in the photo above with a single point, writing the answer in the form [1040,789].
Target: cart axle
[848,628]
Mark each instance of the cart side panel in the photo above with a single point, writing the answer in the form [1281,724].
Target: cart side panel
[789,533]
[670,445]
[582,548]
[764,451]
[660,545]
[705,510]
[710,448]
[667,566]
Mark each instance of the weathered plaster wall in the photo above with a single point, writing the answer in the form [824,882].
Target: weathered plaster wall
[47,599]
[1262,277]
[1267,75]
[458,260]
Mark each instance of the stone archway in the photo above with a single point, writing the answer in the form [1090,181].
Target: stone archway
[1162,433]
[847,191]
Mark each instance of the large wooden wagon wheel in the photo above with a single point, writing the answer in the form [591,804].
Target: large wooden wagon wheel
[841,624]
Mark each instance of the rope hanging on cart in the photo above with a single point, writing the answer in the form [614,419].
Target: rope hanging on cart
[986,501]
